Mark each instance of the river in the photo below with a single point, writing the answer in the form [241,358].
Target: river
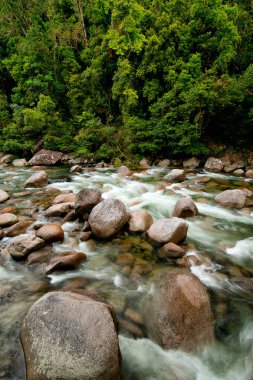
[220,239]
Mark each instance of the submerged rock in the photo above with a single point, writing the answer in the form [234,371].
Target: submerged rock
[108,217]
[231,198]
[185,208]
[45,157]
[70,336]
[65,261]
[18,228]
[38,179]
[179,315]
[168,230]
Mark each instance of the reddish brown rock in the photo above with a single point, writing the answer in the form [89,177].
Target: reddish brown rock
[18,228]
[179,314]
[86,235]
[50,233]
[171,251]
[185,208]
[67,336]
[65,261]
[168,230]
[140,221]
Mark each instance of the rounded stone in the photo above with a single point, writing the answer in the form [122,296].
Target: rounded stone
[108,217]
[70,336]
[50,233]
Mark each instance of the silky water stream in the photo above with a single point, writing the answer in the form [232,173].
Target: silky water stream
[223,237]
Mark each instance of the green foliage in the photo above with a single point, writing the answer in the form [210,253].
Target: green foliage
[114,78]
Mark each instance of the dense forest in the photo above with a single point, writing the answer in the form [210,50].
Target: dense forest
[116,78]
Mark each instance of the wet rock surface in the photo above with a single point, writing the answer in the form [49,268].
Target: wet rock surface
[179,314]
[59,344]
[108,217]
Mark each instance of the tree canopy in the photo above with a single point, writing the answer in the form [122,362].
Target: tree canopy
[108,78]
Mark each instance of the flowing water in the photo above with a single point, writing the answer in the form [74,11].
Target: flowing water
[221,240]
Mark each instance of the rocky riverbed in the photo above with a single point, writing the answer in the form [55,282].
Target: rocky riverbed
[135,274]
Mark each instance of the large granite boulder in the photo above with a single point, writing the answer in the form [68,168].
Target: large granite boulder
[46,157]
[231,198]
[214,165]
[178,315]
[87,199]
[70,336]
[38,179]
[185,208]
[108,217]
[168,230]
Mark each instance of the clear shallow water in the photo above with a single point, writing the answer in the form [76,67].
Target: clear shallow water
[223,236]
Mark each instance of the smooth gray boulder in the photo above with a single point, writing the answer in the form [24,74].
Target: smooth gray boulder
[108,217]
[70,336]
